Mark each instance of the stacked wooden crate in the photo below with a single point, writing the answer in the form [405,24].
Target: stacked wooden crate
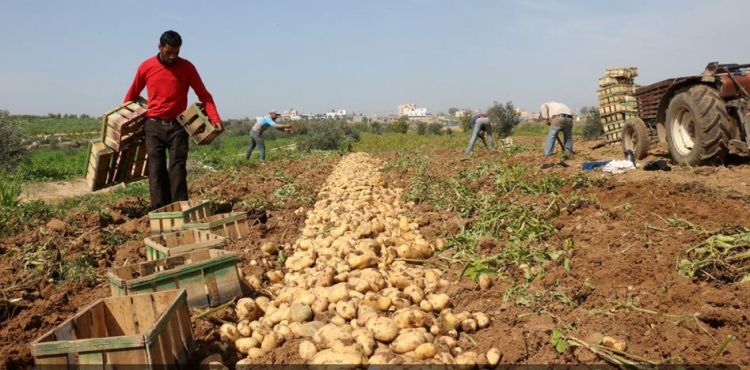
[617,101]
[119,155]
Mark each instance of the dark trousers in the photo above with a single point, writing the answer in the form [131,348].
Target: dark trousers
[166,184]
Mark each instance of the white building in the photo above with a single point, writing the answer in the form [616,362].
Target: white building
[336,113]
[291,114]
[411,110]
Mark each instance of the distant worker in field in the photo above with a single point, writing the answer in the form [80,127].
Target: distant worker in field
[480,127]
[256,133]
[559,118]
[167,78]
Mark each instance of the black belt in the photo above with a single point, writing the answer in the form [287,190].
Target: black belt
[163,122]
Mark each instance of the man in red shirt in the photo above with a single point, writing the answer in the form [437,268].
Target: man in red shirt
[167,78]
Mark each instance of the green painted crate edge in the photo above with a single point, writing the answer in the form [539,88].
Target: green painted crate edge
[159,251]
[224,263]
[52,347]
[233,216]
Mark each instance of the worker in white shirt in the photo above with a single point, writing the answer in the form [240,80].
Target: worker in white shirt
[559,118]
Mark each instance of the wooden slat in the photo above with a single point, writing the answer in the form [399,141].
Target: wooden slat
[56,362]
[119,316]
[65,331]
[178,347]
[98,325]
[143,306]
[195,286]
[83,326]
[87,345]
[90,360]
[168,345]
[214,296]
[186,329]
[155,351]
[125,359]
[227,282]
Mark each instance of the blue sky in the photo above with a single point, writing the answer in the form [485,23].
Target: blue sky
[79,56]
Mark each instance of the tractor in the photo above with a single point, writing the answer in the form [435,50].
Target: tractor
[702,119]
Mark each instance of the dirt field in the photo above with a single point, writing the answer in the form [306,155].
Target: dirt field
[621,280]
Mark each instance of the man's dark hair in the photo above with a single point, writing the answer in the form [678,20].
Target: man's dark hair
[170,38]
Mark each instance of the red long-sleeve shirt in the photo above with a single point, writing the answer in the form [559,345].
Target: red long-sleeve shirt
[168,87]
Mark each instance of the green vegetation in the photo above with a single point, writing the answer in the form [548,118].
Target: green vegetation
[407,142]
[11,142]
[338,136]
[57,123]
[54,164]
[720,257]
[592,126]
[508,232]
[401,125]
[503,118]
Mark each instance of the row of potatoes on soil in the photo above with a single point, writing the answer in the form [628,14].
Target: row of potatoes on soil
[347,291]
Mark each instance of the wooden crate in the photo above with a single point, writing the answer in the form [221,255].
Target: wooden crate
[209,276]
[233,226]
[613,126]
[181,242]
[106,167]
[610,81]
[197,125]
[613,137]
[620,116]
[615,90]
[619,98]
[149,330]
[618,108]
[172,217]
[622,72]
[124,124]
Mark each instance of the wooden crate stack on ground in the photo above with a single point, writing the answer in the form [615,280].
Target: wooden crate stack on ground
[144,331]
[120,154]
[617,101]
[210,277]
[172,217]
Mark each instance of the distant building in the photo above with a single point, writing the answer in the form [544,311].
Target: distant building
[411,110]
[290,114]
[336,113]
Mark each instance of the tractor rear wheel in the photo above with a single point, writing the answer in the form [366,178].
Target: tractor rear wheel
[635,137]
[698,126]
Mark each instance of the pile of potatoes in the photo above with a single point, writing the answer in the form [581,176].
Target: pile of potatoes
[347,292]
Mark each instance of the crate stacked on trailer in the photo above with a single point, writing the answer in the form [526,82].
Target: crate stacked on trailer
[617,101]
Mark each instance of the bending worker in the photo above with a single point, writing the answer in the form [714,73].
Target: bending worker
[559,118]
[256,133]
[480,125]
